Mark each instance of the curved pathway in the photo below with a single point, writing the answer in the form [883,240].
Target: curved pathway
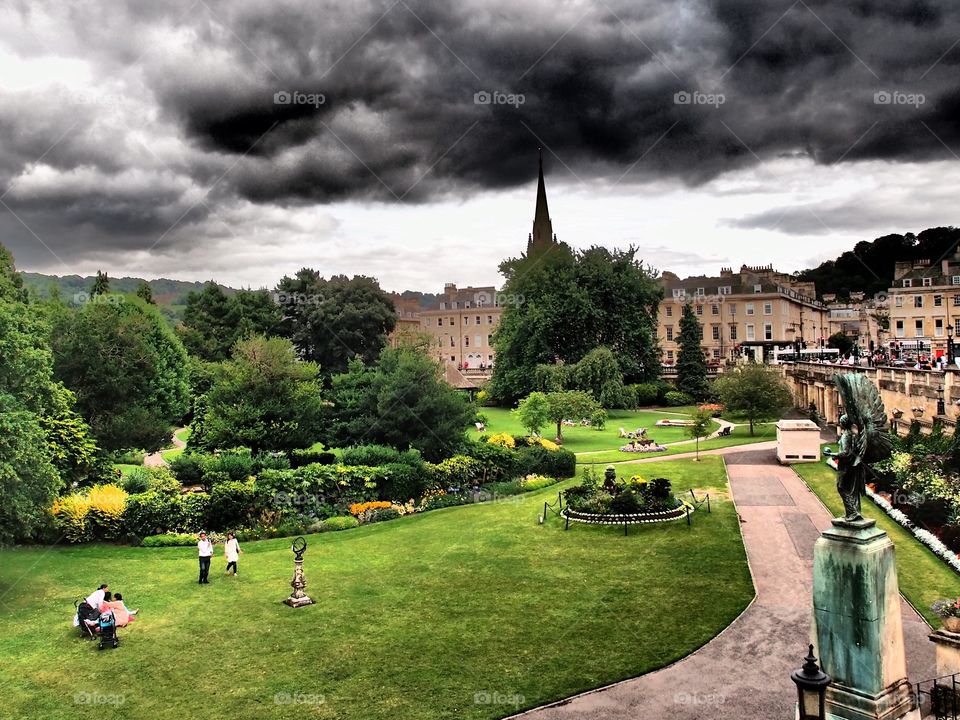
[744,672]
[156,459]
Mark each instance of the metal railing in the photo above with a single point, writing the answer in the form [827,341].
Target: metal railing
[939,698]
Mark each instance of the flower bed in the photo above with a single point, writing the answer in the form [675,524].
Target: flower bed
[628,518]
[652,447]
[924,536]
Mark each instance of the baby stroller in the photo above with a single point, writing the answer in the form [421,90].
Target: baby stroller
[108,630]
[87,619]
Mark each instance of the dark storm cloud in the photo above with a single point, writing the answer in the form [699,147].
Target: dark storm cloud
[198,127]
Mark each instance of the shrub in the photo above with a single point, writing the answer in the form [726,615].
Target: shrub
[645,394]
[390,513]
[130,457]
[70,514]
[536,460]
[496,462]
[537,482]
[152,512]
[543,442]
[456,471]
[237,464]
[599,419]
[399,481]
[195,511]
[162,480]
[675,398]
[627,501]
[136,481]
[339,523]
[232,504]
[105,514]
[188,468]
[306,456]
[169,540]
[270,461]
[503,440]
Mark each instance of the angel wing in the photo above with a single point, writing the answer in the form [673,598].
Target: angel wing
[862,404]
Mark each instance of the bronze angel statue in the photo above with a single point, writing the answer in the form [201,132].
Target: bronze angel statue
[863,410]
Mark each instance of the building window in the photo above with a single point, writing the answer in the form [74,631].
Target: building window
[669,312]
[757,288]
[767,331]
[716,332]
[749,308]
[452,358]
[938,300]
[956,300]
[733,332]
[750,332]
[908,283]
[670,333]
[955,280]
[490,340]
[451,321]
[714,309]
[733,308]
[453,341]
[702,331]
[927,282]
[466,320]
[478,319]
[956,326]
[768,308]
[938,327]
[439,321]
[489,319]
[716,353]
[918,328]
[669,354]
[700,292]
[478,340]
[466,304]
[699,309]
[898,301]
[466,341]
[679,292]
[900,332]
[918,301]
[725,290]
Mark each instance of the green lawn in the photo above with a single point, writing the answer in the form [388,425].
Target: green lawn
[183,434]
[422,617]
[923,577]
[586,439]
[740,435]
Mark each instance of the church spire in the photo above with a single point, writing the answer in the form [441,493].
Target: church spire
[542,235]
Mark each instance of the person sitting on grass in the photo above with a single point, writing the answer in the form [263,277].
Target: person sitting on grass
[121,614]
[95,599]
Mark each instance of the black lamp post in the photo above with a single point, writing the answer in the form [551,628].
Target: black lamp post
[941,407]
[811,689]
[949,345]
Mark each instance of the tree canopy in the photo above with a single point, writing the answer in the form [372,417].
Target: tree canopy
[756,391]
[333,321]
[561,305]
[691,364]
[213,321]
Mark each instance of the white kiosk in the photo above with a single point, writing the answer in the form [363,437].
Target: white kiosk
[798,441]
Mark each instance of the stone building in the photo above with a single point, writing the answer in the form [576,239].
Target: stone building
[924,305]
[747,312]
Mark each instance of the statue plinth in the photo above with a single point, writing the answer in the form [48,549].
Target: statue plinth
[857,627]
[298,597]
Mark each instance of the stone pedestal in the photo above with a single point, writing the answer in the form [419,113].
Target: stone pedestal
[857,628]
[948,652]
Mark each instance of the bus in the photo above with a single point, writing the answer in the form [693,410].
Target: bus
[789,354]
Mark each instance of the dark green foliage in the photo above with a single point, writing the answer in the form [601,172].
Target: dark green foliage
[152,512]
[213,321]
[571,304]
[233,504]
[101,285]
[645,394]
[403,402]
[132,399]
[145,293]
[691,362]
[334,321]
[842,342]
[627,501]
[378,455]
[756,391]
[400,482]
[305,456]
[344,522]
[496,462]
[264,398]
[535,459]
[136,481]
[383,514]
[676,398]
[188,468]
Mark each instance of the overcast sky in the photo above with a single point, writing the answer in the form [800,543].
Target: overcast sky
[242,140]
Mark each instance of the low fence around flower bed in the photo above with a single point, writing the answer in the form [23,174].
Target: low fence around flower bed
[685,509]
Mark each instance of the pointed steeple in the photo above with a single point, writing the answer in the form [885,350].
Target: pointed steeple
[542,235]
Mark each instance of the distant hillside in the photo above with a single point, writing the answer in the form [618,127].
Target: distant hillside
[869,266]
[169,295]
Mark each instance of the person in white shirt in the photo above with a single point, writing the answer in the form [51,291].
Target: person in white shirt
[95,598]
[231,551]
[205,552]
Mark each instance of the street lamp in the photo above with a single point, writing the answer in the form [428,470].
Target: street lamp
[941,406]
[949,345]
[811,689]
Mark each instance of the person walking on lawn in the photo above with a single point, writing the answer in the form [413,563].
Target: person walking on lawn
[205,552]
[231,550]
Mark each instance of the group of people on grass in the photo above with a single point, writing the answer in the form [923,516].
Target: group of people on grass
[231,551]
[102,601]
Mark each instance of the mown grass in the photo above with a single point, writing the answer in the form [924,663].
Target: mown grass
[923,577]
[740,435]
[415,618]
